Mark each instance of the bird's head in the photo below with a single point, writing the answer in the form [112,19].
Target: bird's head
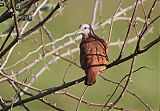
[84,29]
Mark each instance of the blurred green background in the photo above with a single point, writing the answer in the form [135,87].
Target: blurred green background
[145,82]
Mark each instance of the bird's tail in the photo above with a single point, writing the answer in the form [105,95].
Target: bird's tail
[91,74]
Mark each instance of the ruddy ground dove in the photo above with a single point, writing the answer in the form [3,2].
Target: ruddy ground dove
[93,53]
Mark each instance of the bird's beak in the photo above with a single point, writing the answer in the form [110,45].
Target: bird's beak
[78,32]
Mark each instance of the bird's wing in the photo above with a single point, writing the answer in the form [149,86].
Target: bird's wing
[93,53]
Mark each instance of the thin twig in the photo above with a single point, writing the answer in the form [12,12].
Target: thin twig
[111,24]
[125,86]
[94,13]
[80,100]
[114,92]
[130,92]
[15,19]
[12,79]
[129,28]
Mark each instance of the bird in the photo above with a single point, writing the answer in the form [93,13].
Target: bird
[93,53]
